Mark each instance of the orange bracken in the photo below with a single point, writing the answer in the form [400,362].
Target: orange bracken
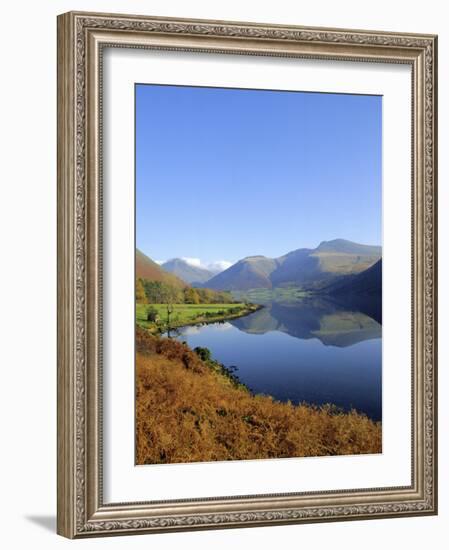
[188,412]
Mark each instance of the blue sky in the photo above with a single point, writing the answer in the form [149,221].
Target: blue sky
[225,173]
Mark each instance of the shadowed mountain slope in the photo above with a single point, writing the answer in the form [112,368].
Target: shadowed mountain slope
[369,282]
[362,291]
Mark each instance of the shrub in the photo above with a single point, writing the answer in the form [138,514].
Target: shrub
[203,353]
[152,314]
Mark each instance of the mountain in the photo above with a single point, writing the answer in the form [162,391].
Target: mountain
[251,272]
[313,268]
[146,268]
[305,267]
[189,273]
[361,291]
[369,283]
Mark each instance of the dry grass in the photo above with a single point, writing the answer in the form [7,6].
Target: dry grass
[189,412]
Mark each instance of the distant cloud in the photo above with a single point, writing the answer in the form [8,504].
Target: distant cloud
[195,262]
[216,267]
[219,265]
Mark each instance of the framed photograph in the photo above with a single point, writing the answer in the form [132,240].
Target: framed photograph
[247,280]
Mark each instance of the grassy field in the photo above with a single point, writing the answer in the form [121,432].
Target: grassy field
[190,410]
[186,314]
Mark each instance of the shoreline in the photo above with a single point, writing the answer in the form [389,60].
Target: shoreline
[252,308]
[217,418]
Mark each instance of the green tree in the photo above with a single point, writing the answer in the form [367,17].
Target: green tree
[158,292]
[191,296]
[206,295]
[141,297]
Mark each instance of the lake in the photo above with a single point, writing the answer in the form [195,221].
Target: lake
[313,351]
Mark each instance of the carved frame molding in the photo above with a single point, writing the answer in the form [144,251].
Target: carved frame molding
[81,39]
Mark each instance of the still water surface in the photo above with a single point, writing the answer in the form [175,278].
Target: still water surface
[312,351]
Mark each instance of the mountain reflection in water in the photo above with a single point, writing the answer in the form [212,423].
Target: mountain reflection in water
[314,350]
[330,322]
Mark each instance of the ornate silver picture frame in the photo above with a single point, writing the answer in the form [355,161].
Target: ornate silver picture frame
[82,41]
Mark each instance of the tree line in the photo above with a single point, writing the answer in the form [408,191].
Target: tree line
[159,292]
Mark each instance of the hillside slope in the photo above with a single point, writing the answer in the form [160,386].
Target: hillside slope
[329,260]
[188,410]
[251,272]
[369,283]
[146,268]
